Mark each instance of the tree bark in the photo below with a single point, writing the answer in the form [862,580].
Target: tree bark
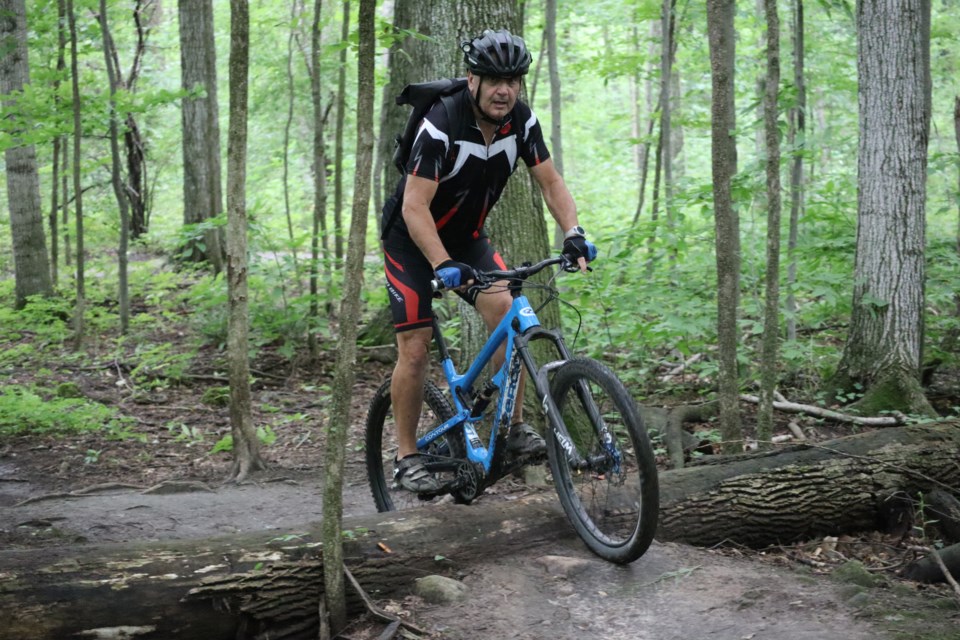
[553,68]
[115,174]
[884,348]
[268,585]
[796,141]
[202,194]
[246,446]
[338,137]
[769,360]
[30,258]
[79,327]
[344,376]
[724,166]
[318,237]
[256,586]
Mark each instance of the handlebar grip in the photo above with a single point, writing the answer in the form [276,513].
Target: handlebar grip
[437,286]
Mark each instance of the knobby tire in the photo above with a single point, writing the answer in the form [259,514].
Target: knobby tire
[613,508]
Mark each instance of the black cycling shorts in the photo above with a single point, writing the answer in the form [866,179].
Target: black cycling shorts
[409,275]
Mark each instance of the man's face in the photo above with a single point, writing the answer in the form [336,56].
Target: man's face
[497,95]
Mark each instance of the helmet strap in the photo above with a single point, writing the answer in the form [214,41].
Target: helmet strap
[476,101]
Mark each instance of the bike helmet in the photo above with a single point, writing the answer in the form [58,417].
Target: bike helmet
[496,53]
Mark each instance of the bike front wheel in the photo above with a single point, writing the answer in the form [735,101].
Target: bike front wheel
[602,462]
[381,444]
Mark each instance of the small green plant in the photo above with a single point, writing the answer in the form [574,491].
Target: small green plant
[216,396]
[92,456]
[265,435]
[23,410]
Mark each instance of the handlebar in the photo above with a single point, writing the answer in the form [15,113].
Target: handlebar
[484,279]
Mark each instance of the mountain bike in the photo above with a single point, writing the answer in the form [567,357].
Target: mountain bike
[598,450]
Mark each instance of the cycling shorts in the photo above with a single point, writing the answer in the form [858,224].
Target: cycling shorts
[409,274]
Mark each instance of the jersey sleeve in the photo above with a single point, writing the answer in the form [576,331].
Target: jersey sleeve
[430,146]
[533,149]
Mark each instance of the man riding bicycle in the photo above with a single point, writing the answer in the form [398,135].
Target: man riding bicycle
[456,171]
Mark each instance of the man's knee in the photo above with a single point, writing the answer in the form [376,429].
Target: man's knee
[413,348]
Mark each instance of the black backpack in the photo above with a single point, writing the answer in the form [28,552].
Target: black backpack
[421,96]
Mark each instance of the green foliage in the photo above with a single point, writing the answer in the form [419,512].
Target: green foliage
[26,410]
[265,434]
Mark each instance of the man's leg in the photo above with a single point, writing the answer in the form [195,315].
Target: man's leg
[406,386]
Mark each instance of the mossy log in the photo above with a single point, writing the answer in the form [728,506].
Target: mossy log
[265,585]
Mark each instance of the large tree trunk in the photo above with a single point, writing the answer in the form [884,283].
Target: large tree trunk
[884,348]
[202,194]
[31,262]
[258,584]
[724,160]
[246,446]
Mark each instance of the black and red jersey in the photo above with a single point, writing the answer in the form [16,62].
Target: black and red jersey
[470,173]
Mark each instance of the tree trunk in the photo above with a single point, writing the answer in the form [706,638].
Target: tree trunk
[116,178]
[724,166]
[255,586]
[666,141]
[79,327]
[796,141]
[295,8]
[883,352]
[556,139]
[30,258]
[769,361]
[834,487]
[246,446]
[268,585]
[338,137]
[344,377]
[318,237]
[202,196]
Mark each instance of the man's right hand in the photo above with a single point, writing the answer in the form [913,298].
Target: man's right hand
[576,247]
[454,274]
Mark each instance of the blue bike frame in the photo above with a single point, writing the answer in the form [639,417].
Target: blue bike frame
[519,319]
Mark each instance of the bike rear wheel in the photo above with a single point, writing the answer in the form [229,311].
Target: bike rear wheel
[381,444]
[607,486]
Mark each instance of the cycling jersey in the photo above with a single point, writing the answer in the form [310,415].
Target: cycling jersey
[470,173]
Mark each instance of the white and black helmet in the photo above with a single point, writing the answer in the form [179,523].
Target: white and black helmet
[496,53]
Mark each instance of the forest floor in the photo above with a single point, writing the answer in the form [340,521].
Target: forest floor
[160,481]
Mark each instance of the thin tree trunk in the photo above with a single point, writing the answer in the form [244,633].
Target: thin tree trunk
[30,257]
[80,307]
[319,234]
[666,154]
[721,35]
[338,138]
[556,139]
[65,190]
[769,361]
[295,8]
[796,141]
[116,178]
[136,186]
[344,377]
[246,446]
[53,218]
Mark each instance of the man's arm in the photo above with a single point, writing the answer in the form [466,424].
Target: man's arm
[555,193]
[417,196]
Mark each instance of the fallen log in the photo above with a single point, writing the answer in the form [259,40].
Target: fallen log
[264,585]
[807,490]
[254,586]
